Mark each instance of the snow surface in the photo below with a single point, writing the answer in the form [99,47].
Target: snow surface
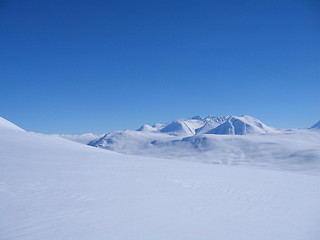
[52,188]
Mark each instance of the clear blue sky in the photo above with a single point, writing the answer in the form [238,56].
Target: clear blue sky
[72,66]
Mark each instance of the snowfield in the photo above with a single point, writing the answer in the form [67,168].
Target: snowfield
[52,188]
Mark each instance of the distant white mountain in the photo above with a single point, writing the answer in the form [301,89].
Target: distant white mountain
[5,124]
[126,141]
[222,139]
[147,136]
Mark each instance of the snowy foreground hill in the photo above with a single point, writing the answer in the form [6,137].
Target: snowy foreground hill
[52,188]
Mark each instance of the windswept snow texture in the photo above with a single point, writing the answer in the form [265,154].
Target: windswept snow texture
[52,188]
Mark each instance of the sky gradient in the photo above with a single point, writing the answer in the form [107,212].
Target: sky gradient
[71,66]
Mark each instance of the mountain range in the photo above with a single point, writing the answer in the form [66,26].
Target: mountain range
[211,125]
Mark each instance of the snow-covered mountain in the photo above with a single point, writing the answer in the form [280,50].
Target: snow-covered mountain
[53,188]
[148,137]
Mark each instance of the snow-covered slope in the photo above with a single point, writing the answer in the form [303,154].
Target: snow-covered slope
[5,124]
[52,188]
